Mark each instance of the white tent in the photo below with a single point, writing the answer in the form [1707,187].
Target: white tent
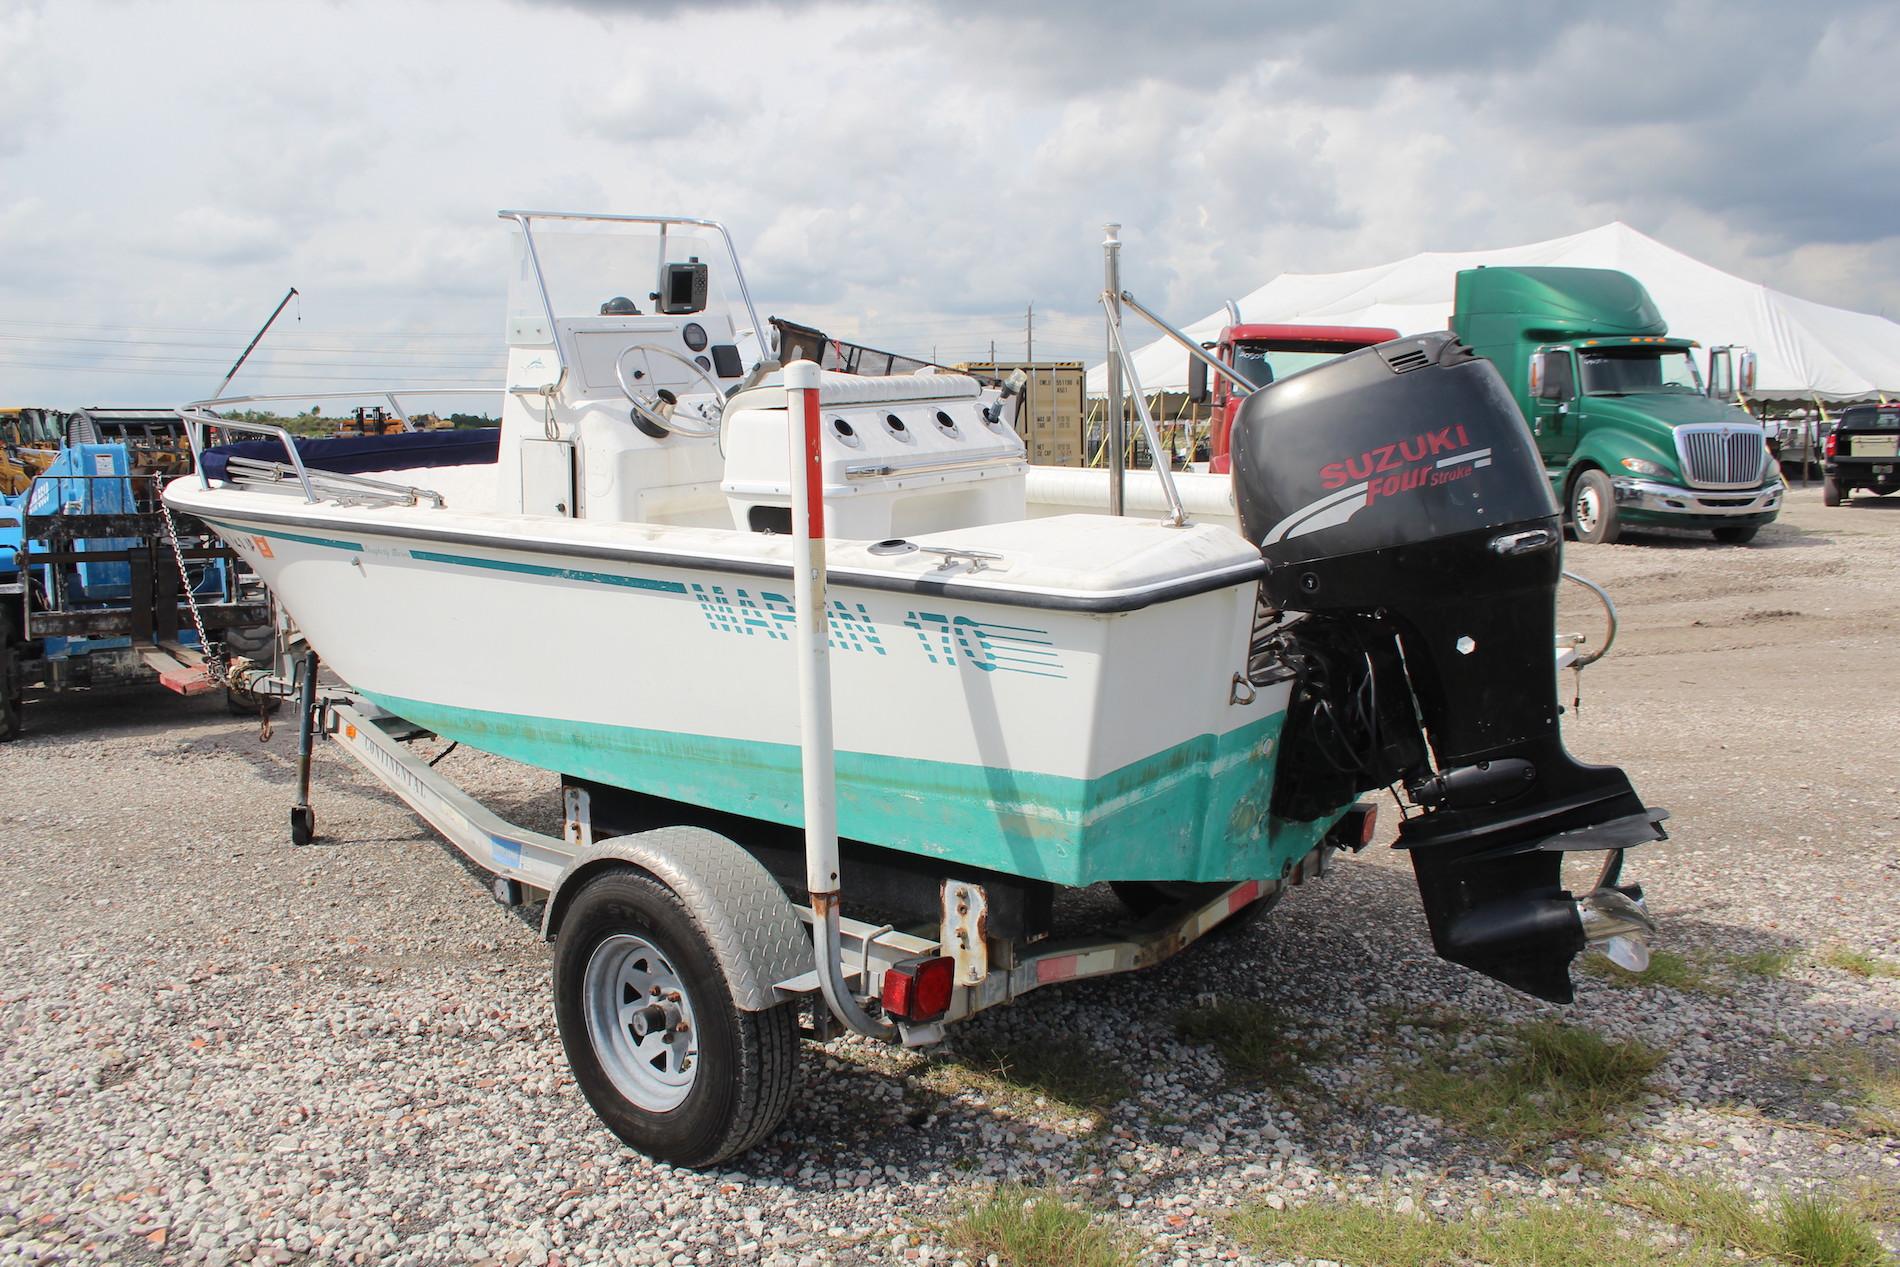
[1806,350]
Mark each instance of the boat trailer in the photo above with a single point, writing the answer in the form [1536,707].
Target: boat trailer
[529,867]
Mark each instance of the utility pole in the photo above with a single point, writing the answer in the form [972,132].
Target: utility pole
[1029,357]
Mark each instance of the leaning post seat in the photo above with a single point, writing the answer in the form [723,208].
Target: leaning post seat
[900,455]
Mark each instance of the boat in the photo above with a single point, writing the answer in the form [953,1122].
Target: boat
[1024,688]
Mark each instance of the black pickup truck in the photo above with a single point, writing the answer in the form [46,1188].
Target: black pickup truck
[1863,451]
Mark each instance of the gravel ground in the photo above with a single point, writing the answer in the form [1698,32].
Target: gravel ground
[218,1049]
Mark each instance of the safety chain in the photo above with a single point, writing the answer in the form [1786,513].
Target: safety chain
[214,665]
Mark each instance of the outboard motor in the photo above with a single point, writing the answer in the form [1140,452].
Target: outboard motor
[1414,553]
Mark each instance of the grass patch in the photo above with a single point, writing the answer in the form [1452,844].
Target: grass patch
[1553,1082]
[1250,1037]
[1028,1228]
[1864,1077]
[1067,1070]
[1667,969]
[1771,964]
[1859,962]
[1527,1236]
[1364,1235]
[1803,1229]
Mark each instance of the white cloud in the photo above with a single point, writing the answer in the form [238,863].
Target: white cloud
[910,173]
[28,102]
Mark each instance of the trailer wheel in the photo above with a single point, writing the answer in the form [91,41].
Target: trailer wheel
[1830,491]
[1593,509]
[647,1018]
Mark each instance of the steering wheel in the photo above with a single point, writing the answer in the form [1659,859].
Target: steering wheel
[658,407]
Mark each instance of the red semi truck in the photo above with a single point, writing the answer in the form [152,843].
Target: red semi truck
[1264,354]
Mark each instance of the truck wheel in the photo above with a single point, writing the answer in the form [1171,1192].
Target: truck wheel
[1593,509]
[1737,536]
[12,683]
[10,704]
[1830,491]
[650,1029]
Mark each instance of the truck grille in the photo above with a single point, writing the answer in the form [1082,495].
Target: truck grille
[1722,456]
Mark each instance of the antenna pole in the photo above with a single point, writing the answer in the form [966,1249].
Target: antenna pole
[1029,359]
[255,340]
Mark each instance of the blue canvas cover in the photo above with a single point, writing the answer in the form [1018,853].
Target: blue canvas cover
[352,455]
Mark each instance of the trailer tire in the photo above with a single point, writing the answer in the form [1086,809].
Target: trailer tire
[626,932]
[258,644]
[1830,491]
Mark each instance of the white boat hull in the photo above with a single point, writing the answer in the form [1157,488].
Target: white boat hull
[1078,740]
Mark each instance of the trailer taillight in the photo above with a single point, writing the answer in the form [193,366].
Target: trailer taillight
[919,989]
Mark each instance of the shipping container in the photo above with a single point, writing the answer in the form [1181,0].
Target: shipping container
[1050,420]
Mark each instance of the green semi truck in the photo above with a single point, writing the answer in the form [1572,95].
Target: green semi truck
[1629,434]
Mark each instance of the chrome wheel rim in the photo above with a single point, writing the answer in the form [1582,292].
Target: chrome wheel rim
[1587,510]
[640,1022]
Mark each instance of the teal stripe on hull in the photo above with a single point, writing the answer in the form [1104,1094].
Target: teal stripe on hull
[277,534]
[559,574]
[1196,811]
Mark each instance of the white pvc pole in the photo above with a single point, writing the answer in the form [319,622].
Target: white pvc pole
[811,640]
[812,645]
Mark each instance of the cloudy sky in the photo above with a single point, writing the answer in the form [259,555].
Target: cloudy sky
[912,173]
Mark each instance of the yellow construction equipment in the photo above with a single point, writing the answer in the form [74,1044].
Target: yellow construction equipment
[29,438]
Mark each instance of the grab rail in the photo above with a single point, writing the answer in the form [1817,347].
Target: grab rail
[1177,513]
[1194,349]
[928,465]
[199,415]
[197,419]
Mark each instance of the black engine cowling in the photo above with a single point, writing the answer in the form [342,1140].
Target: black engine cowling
[1402,507]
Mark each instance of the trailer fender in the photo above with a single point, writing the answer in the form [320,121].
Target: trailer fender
[746,917]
